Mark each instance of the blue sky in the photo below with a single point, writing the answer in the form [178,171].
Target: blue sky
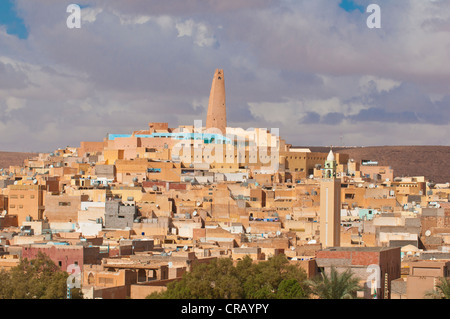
[9,18]
[349,5]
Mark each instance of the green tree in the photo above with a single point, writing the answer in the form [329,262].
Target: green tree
[441,291]
[5,284]
[264,277]
[290,289]
[38,278]
[214,280]
[220,279]
[335,285]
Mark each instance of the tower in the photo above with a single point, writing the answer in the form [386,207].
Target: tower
[330,205]
[217,115]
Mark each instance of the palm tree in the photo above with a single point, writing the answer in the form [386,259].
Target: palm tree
[335,285]
[441,291]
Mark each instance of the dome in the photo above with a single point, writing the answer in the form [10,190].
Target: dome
[330,156]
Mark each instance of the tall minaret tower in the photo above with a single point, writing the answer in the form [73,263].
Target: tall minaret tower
[330,205]
[217,114]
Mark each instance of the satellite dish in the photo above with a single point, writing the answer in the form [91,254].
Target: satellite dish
[185,248]
[428,233]
[278,233]
[170,264]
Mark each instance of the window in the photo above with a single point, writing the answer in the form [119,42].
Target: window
[13,196]
[60,263]
[22,196]
[90,279]
[12,206]
[32,196]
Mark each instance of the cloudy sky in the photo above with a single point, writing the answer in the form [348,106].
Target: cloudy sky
[311,68]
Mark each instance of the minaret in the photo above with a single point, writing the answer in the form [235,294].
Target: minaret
[217,115]
[330,166]
[330,205]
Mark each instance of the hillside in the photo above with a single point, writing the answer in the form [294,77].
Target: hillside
[428,161]
[13,158]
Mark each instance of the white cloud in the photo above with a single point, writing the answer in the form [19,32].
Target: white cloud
[284,112]
[200,32]
[380,83]
[13,103]
[126,19]
[146,61]
[90,14]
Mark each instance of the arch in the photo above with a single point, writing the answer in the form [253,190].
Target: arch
[91,279]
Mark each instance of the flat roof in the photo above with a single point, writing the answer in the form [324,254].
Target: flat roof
[368,249]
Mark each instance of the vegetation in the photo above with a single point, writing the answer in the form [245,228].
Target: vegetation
[38,278]
[335,285]
[442,290]
[221,279]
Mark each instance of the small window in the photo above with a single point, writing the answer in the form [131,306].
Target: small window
[64,203]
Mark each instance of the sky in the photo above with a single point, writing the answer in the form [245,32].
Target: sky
[310,68]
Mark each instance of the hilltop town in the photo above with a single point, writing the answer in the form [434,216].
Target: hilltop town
[137,211]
